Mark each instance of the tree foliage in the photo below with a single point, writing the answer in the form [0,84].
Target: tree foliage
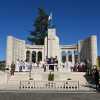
[40,28]
[2,65]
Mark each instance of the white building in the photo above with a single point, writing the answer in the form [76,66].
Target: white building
[84,50]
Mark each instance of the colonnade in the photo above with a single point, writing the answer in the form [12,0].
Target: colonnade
[34,56]
[70,56]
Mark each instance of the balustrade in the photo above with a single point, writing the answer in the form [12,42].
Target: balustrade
[49,85]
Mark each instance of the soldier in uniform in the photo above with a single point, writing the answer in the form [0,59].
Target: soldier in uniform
[12,68]
[56,62]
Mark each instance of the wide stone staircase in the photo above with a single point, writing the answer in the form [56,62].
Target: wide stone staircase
[13,82]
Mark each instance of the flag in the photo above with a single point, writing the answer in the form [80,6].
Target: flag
[50,17]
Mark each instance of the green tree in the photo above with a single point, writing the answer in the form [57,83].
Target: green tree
[2,65]
[40,28]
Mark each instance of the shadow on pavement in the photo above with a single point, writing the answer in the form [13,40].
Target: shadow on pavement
[91,83]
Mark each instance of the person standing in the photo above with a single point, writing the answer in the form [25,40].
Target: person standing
[52,64]
[96,78]
[23,65]
[56,62]
[17,65]
[45,65]
[12,68]
[26,66]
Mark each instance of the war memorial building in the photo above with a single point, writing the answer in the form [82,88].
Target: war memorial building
[84,50]
[38,78]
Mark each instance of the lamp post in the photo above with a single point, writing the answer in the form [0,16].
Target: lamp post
[47,45]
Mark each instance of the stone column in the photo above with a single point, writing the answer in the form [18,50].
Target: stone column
[30,56]
[73,57]
[36,56]
[42,56]
[93,50]
[66,56]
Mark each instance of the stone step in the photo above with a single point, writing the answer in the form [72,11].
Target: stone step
[61,76]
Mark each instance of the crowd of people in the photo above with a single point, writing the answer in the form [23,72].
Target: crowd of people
[77,67]
[23,66]
[52,64]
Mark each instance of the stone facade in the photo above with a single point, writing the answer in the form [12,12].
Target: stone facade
[88,49]
[15,50]
[18,49]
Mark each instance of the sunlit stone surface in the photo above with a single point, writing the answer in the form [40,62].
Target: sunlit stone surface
[85,50]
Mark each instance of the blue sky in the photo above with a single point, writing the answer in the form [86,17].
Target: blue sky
[74,19]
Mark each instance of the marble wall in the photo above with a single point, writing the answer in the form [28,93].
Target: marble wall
[88,49]
[15,50]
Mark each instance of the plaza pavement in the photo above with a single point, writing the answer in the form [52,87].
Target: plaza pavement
[11,95]
[8,94]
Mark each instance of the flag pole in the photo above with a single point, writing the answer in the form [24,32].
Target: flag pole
[47,43]
[49,26]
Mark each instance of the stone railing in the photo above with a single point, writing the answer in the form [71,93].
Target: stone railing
[49,85]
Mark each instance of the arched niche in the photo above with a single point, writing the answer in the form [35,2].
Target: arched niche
[39,56]
[69,53]
[34,56]
[27,56]
[63,55]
